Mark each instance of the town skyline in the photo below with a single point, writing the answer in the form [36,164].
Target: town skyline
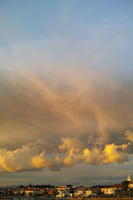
[47,191]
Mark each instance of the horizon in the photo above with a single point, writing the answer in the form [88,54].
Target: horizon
[66,91]
[75,185]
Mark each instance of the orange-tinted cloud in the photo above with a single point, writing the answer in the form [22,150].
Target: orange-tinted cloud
[68,112]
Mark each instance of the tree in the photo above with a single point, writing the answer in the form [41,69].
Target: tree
[125,185]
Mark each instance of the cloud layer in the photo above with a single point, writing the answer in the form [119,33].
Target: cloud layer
[55,123]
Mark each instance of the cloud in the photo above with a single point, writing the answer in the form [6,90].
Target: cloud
[69,152]
[16,160]
[129,135]
[76,120]
[114,153]
[60,106]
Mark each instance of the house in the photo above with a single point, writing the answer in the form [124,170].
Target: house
[51,191]
[110,190]
[130,182]
[130,185]
[88,192]
[28,191]
[79,191]
[61,194]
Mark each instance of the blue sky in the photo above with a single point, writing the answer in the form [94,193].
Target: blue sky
[44,19]
[66,91]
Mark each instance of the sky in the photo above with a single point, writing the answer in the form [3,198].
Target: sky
[66,91]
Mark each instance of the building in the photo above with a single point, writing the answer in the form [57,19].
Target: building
[110,190]
[88,192]
[28,191]
[130,184]
[80,191]
[129,178]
